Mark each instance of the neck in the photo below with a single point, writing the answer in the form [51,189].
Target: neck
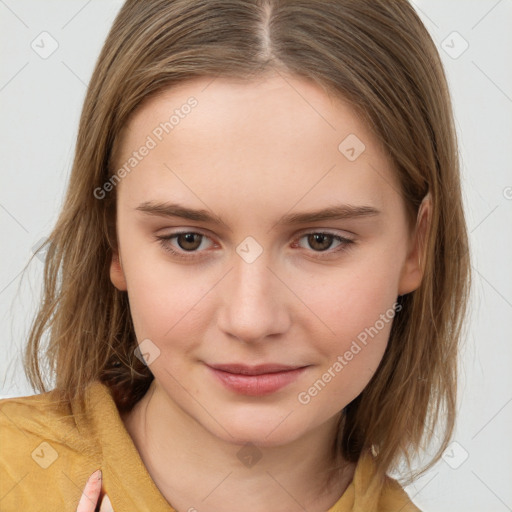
[194,469]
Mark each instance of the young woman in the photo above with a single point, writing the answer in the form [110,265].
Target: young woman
[256,287]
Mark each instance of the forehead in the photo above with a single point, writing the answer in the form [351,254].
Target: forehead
[258,106]
[282,136]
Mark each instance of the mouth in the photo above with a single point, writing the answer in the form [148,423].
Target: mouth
[261,369]
[257,380]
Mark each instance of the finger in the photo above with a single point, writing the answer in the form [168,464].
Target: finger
[106,506]
[90,493]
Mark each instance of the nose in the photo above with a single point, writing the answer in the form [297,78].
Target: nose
[254,301]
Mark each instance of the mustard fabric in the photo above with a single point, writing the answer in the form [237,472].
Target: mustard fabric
[48,451]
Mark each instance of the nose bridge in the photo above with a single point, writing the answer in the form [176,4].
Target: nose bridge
[253,304]
[252,279]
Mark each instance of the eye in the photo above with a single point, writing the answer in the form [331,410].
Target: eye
[322,241]
[187,241]
[190,242]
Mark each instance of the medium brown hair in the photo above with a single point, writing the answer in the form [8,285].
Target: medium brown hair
[375,54]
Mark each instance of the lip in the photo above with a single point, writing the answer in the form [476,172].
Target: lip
[260,369]
[257,380]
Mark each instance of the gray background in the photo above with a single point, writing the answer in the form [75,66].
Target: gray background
[41,99]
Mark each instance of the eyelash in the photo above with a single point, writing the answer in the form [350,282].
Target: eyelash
[345,244]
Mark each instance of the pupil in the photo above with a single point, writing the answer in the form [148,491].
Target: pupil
[189,239]
[319,238]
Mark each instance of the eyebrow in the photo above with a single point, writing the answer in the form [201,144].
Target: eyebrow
[337,212]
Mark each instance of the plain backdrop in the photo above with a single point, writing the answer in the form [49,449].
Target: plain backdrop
[41,96]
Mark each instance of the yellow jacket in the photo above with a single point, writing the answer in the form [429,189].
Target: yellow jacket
[47,453]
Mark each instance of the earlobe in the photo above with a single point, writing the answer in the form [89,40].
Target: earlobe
[413,269]
[116,272]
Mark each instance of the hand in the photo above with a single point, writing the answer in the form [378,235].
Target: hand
[91,494]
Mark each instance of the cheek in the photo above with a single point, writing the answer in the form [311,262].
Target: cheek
[353,299]
[359,310]
[165,299]
[350,361]
[166,310]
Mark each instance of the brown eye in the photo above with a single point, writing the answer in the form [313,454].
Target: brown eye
[189,241]
[187,244]
[320,241]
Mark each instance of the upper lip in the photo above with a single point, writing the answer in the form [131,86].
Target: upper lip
[261,369]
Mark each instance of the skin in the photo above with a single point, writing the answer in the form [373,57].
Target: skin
[250,153]
[92,493]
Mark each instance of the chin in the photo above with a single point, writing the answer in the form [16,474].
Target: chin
[264,432]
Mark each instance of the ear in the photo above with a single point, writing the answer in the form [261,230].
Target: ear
[412,271]
[116,272]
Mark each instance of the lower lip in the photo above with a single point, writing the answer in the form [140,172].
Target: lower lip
[257,385]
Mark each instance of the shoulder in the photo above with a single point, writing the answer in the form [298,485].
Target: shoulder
[44,445]
[25,420]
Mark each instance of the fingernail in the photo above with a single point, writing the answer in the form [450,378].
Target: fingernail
[96,476]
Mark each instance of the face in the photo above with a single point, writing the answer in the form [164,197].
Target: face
[260,320]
